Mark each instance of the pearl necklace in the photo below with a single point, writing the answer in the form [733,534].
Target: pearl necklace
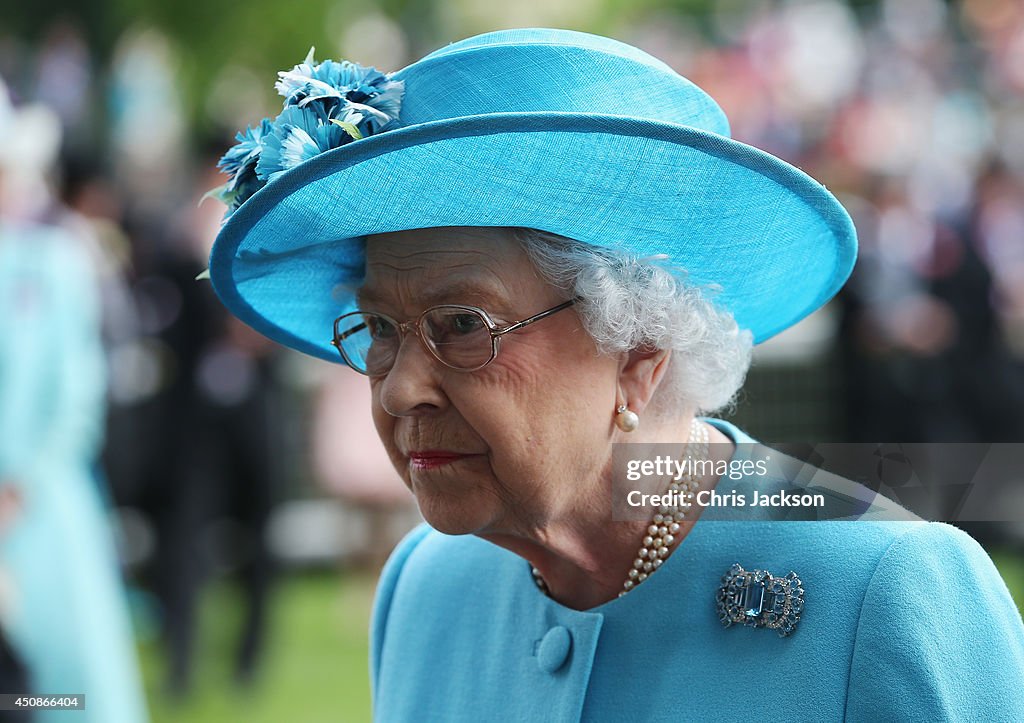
[664,528]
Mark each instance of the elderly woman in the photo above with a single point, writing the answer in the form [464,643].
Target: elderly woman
[537,245]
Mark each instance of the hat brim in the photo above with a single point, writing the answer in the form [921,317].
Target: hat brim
[769,243]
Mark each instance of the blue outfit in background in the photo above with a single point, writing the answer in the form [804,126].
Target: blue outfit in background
[68,618]
[903,621]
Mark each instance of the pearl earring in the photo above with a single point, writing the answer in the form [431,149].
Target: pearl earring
[625,419]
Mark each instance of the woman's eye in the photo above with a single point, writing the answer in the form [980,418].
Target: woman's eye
[380,328]
[465,323]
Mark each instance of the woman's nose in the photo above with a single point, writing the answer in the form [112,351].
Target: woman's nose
[413,386]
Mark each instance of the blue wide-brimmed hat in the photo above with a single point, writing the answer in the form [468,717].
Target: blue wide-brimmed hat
[566,132]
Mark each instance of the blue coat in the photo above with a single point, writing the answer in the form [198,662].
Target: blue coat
[903,621]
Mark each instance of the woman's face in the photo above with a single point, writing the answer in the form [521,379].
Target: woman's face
[510,447]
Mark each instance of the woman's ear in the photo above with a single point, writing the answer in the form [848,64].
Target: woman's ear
[640,375]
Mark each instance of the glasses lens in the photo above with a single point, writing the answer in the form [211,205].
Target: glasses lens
[368,342]
[459,337]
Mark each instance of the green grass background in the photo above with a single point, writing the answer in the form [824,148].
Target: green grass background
[315,662]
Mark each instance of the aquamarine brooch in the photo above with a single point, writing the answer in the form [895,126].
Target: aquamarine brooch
[757,599]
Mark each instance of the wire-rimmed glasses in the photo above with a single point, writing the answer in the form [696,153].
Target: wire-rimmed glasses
[464,338]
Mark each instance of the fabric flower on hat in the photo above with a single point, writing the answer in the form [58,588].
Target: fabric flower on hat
[240,165]
[299,134]
[326,105]
[335,83]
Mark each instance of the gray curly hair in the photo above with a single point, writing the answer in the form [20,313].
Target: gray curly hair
[627,303]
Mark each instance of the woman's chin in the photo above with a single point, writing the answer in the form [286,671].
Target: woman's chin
[454,520]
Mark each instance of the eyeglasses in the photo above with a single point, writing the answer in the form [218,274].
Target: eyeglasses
[463,338]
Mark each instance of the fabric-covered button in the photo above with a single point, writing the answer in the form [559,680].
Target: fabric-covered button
[554,649]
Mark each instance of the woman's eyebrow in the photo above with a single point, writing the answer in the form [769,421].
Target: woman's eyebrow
[462,291]
[457,292]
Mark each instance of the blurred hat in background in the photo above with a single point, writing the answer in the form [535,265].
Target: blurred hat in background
[30,140]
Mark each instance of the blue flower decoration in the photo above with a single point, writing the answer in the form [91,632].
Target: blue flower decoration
[244,155]
[326,105]
[301,133]
[335,83]
[239,163]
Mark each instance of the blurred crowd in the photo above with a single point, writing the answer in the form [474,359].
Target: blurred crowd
[913,114]
[911,111]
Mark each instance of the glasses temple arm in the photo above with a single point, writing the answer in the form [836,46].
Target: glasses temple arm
[535,317]
[350,332]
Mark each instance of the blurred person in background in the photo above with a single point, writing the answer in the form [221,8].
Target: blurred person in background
[65,613]
[213,476]
[350,462]
[925,355]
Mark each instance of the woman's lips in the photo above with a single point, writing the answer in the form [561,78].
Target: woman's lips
[431,458]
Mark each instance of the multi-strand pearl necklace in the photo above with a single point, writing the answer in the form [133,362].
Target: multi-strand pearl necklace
[664,527]
[663,531]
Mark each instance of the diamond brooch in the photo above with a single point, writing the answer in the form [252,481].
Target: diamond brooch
[756,599]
